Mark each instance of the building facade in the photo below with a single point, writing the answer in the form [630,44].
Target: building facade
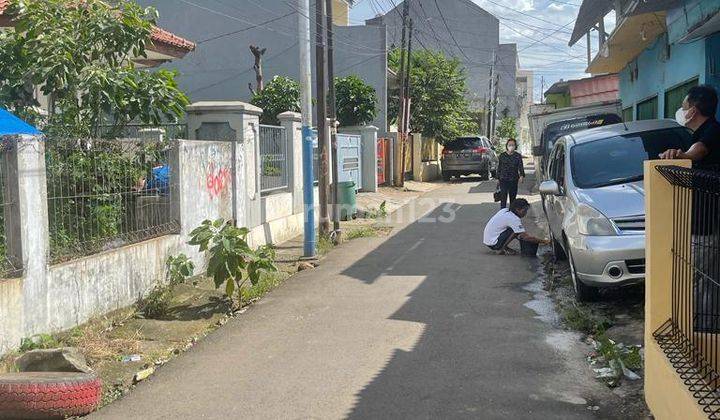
[221,67]
[463,30]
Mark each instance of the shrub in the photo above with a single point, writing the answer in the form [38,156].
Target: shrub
[356,101]
[232,262]
[178,268]
[280,95]
[157,303]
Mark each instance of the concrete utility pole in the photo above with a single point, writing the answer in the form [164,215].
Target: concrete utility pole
[488,130]
[406,107]
[321,87]
[399,180]
[309,241]
[333,120]
[542,89]
[495,104]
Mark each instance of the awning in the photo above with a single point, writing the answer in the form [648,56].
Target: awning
[590,13]
[706,29]
[629,40]
[12,125]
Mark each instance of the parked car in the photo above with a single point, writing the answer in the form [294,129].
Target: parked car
[595,200]
[469,155]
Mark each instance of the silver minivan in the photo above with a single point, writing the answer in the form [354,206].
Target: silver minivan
[594,200]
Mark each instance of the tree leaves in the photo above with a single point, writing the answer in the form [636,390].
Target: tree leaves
[80,57]
[231,258]
[282,94]
[356,101]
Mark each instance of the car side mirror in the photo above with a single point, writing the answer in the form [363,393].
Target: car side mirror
[549,188]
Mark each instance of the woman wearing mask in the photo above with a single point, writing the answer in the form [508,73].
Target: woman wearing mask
[510,172]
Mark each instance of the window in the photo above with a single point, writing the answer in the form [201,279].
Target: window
[627,114]
[674,97]
[619,159]
[647,110]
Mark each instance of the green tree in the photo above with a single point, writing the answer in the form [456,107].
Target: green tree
[280,95]
[356,101]
[438,105]
[507,128]
[80,54]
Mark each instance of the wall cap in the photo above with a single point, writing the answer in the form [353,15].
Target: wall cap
[223,106]
[290,116]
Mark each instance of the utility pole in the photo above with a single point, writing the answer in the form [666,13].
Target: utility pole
[333,120]
[321,115]
[406,107]
[399,162]
[309,241]
[495,103]
[488,130]
[542,89]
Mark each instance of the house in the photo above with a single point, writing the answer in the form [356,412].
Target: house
[163,48]
[525,96]
[659,49]
[463,30]
[585,91]
[221,68]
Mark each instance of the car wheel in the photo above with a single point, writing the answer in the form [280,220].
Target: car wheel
[485,174]
[446,176]
[558,252]
[493,174]
[583,292]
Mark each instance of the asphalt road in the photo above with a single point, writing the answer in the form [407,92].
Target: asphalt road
[425,323]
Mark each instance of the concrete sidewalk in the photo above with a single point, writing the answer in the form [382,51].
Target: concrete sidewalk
[424,323]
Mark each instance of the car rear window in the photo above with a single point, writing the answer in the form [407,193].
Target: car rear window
[463,143]
[619,159]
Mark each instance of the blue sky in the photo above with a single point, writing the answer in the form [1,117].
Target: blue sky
[540,28]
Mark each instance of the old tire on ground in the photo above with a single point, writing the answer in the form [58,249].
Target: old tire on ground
[43,395]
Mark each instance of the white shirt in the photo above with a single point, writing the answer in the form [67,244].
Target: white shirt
[499,223]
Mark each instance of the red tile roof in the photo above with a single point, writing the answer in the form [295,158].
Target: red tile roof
[160,37]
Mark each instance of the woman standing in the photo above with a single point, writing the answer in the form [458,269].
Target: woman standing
[510,172]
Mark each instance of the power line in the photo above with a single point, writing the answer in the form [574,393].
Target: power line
[449,31]
[226,34]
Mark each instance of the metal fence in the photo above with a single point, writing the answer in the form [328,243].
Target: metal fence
[103,194]
[10,262]
[691,337]
[273,159]
[161,132]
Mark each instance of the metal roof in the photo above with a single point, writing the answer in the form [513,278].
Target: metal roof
[588,16]
[12,125]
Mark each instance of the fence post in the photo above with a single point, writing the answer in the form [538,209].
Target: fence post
[237,122]
[665,393]
[32,209]
[292,123]
[417,156]
[368,154]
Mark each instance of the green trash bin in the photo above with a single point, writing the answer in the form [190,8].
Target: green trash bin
[347,198]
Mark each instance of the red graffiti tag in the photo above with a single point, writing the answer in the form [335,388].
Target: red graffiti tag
[217,180]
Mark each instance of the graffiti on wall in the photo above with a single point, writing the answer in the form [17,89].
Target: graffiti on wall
[217,180]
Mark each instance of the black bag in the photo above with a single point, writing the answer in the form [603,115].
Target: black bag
[497,195]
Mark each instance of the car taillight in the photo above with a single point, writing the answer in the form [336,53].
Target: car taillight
[480,150]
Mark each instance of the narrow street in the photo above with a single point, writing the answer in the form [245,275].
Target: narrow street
[425,323]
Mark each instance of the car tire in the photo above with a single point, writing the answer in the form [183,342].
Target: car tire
[446,176]
[485,174]
[493,174]
[583,292]
[43,395]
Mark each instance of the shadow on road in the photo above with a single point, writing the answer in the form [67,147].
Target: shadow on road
[481,353]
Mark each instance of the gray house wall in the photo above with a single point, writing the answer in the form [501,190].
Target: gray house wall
[473,37]
[220,69]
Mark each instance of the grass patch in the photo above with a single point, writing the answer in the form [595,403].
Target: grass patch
[581,318]
[324,244]
[268,281]
[362,232]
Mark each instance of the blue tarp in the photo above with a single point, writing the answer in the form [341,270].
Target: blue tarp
[11,125]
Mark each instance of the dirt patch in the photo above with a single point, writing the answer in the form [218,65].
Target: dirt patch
[612,328]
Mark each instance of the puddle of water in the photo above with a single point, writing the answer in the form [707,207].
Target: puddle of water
[542,304]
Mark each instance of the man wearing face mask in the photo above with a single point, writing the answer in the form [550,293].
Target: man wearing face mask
[698,114]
